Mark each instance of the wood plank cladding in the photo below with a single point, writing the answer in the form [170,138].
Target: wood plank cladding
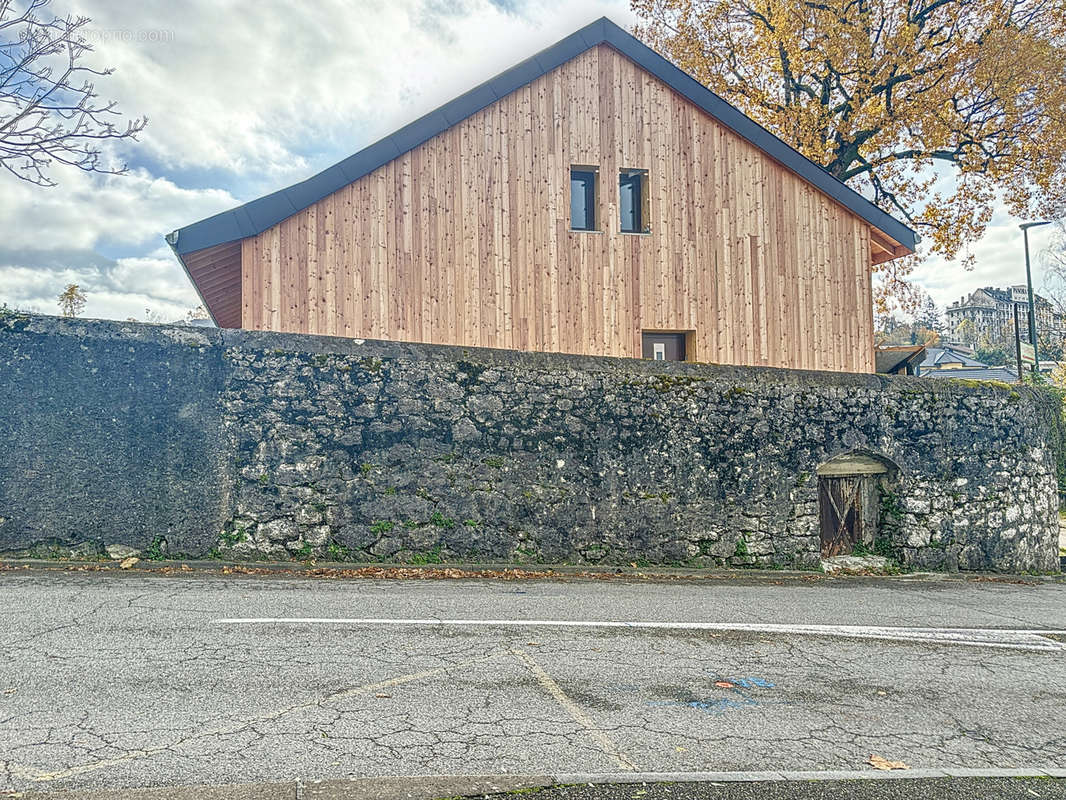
[466,238]
[216,272]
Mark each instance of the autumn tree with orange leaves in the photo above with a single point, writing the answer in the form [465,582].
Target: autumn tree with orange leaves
[932,108]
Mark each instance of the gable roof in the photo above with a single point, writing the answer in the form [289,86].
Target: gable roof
[937,356]
[258,215]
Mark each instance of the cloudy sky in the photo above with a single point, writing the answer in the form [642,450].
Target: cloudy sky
[244,98]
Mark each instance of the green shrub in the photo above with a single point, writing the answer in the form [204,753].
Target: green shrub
[1051,408]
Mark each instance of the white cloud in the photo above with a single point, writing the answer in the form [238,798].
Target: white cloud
[246,98]
[129,210]
[243,99]
[122,289]
[55,236]
[999,261]
[252,88]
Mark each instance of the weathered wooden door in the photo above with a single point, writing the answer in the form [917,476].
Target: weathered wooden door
[840,500]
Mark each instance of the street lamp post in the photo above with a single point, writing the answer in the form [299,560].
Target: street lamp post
[1025,226]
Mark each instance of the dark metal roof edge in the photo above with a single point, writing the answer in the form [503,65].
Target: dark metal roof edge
[747,128]
[257,215]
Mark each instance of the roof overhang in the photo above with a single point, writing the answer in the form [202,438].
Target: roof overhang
[215,272]
[892,360]
[890,239]
[885,248]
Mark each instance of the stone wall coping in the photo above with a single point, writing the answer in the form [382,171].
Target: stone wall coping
[270,342]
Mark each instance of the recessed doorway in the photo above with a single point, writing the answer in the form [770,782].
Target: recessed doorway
[663,346]
[849,501]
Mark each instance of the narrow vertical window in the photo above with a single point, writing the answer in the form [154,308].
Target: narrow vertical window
[583,198]
[633,200]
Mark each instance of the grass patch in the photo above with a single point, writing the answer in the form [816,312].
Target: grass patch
[157,550]
[441,521]
[339,552]
[235,536]
[431,556]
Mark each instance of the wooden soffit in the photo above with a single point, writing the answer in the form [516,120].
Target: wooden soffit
[216,274]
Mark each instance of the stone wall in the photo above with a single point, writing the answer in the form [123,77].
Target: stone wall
[110,433]
[255,444]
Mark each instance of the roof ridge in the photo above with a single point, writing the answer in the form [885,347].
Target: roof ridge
[257,215]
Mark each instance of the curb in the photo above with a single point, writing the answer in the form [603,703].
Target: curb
[301,567]
[421,787]
[791,776]
[472,571]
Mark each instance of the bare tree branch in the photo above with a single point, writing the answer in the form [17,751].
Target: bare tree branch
[49,108]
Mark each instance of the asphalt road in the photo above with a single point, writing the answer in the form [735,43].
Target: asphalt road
[126,679]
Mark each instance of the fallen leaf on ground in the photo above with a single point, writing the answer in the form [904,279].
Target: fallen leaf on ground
[877,762]
[128,562]
[186,568]
[9,691]
[533,644]
[725,685]
[382,694]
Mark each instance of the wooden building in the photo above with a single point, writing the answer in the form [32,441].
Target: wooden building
[592,199]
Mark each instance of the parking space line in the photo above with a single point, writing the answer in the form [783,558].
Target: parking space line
[43,776]
[580,717]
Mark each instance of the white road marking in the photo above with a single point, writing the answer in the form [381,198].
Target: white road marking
[975,637]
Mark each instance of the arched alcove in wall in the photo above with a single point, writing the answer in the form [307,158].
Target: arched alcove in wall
[850,488]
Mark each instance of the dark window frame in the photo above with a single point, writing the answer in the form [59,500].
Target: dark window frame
[640,208]
[591,197]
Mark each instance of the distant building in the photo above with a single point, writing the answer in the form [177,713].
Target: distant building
[947,358]
[946,362]
[991,311]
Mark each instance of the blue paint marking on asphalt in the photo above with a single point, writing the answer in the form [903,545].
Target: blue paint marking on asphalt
[752,683]
[719,705]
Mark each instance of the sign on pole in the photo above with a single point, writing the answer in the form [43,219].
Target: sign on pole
[1028,353]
